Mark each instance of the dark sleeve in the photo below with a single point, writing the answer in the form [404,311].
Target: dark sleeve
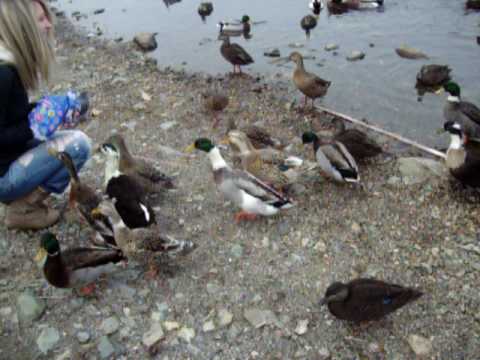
[13,132]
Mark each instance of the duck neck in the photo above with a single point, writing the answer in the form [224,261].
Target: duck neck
[300,65]
[455,142]
[453,99]
[112,168]
[216,159]
[316,144]
[125,157]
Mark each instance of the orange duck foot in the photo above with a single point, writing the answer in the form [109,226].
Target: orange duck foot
[242,215]
[87,290]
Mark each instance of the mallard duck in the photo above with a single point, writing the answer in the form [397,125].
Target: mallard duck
[357,142]
[309,84]
[259,137]
[433,75]
[463,112]
[84,199]
[463,157]
[246,191]
[366,299]
[235,54]
[142,243]
[473,4]
[333,158]
[215,103]
[235,29]
[341,6]
[308,23]
[144,173]
[205,9]
[76,267]
[316,6]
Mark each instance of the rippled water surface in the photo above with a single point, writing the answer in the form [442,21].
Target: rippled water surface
[380,87]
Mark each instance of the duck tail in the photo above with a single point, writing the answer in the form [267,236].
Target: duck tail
[282,204]
[349,175]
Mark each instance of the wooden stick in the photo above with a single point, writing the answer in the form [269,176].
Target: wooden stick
[384,132]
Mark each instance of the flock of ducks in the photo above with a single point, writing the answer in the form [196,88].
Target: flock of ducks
[124,222]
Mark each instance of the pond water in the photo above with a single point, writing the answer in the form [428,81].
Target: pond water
[380,87]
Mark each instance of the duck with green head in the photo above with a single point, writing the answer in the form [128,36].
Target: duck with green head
[333,158]
[240,187]
[75,267]
[235,29]
[462,112]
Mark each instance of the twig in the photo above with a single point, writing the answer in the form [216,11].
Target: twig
[384,132]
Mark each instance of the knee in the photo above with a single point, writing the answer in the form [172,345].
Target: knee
[80,146]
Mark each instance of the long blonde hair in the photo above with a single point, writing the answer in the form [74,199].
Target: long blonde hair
[32,51]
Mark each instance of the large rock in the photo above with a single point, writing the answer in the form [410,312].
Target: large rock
[415,170]
[48,339]
[29,307]
[420,345]
[258,318]
[146,41]
[152,336]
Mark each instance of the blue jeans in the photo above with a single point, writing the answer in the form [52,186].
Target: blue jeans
[37,168]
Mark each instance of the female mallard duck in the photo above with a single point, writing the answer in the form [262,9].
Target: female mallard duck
[215,103]
[473,4]
[84,199]
[463,157]
[316,6]
[357,142]
[308,23]
[366,299]
[246,191]
[141,242]
[234,54]
[309,84]
[433,75]
[333,158]
[144,173]
[74,267]
[259,137]
[462,112]
[235,29]
[205,9]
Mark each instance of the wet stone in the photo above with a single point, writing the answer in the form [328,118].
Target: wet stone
[110,325]
[83,337]
[356,55]
[105,347]
[48,339]
[29,307]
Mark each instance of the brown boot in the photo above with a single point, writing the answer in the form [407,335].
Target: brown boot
[30,213]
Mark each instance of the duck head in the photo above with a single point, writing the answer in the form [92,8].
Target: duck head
[453,89]
[202,144]
[309,137]
[296,57]
[336,292]
[49,246]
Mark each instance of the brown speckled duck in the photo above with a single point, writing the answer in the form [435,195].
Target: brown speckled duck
[259,137]
[309,84]
[215,103]
[433,75]
[366,299]
[235,54]
[357,142]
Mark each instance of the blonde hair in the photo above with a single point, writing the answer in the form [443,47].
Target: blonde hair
[32,51]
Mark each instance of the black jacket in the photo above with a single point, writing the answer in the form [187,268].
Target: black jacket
[14,108]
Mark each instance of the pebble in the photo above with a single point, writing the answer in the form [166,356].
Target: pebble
[272,53]
[356,55]
[208,326]
[152,336]
[420,345]
[225,317]
[168,125]
[83,337]
[29,307]
[320,247]
[258,318]
[48,339]
[186,334]
[171,325]
[296,45]
[302,327]
[105,347]
[331,47]
[283,228]
[110,325]
[237,250]
[324,354]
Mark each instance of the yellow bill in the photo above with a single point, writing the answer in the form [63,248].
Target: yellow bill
[189,148]
[95,213]
[225,141]
[41,254]
[440,91]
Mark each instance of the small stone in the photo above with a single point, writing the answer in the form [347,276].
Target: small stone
[331,47]
[105,347]
[5,312]
[110,325]
[152,336]
[48,339]
[67,355]
[258,318]
[324,354]
[29,307]
[295,45]
[83,337]
[237,250]
[265,242]
[283,228]
[98,11]
[171,325]
[305,242]
[168,125]
[213,289]
[420,345]
[302,327]
[356,55]
[186,334]
[208,326]
[272,53]
[356,228]
[146,41]
[320,247]
[225,317]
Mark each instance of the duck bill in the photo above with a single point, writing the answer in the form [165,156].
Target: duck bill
[41,255]
[189,148]
[225,141]
[96,213]
[440,91]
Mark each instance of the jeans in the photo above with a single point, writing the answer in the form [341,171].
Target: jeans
[37,168]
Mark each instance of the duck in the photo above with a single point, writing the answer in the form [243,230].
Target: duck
[235,54]
[75,267]
[433,75]
[253,196]
[258,136]
[333,158]
[463,112]
[463,156]
[150,178]
[84,199]
[215,103]
[358,144]
[205,9]
[341,6]
[235,29]
[316,6]
[473,4]
[309,84]
[142,243]
[367,299]
[307,23]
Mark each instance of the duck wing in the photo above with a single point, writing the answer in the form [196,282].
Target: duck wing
[471,111]
[79,258]
[238,55]
[254,186]
[151,173]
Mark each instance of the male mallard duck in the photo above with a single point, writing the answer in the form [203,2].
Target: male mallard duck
[433,75]
[316,6]
[259,137]
[144,173]
[84,198]
[235,29]
[366,299]
[205,9]
[246,191]
[357,142]
[308,23]
[141,242]
[463,112]
[74,267]
[215,103]
[463,157]
[235,54]
[341,6]
[309,84]
[473,4]
[334,159]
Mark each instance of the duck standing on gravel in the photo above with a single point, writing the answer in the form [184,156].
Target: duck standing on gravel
[463,157]
[215,103]
[308,83]
[366,299]
[243,189]
[234,54]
